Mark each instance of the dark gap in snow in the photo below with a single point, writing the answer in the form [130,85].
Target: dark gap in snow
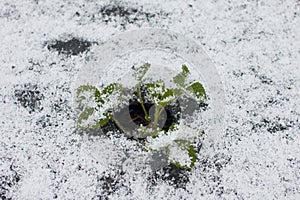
[118,10]
[7,181]
[137,114]
[238,73]
[61,106]
[172,175]
[135,108]
[29,96]
[263,78]
[110,183]
[124,14]
[111,127]
[277,127]
[220,160]
[58,106]
[209,168]
[46,121]
[173,115]
[69,47]
[273,125]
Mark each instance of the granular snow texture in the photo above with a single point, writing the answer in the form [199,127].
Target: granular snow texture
[255,46]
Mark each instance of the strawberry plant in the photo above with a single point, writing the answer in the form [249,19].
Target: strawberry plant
[152,98]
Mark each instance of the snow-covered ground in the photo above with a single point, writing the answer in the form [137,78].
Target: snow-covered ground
[255,48]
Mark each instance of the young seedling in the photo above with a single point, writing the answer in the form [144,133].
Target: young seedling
[177,141]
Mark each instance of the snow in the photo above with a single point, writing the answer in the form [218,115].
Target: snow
[253,154]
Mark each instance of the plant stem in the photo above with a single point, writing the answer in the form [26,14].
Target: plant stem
[161,110]
[155,119]
[158,111]
[142,103]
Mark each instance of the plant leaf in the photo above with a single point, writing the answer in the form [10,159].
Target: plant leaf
[93,100]
[103,122]
[192,154]
[156,90]
[180,79]
[169,96]
[84,118]
[197,91]
[108,90]
[85,121]
[86,93]
[173,126]
[188,149]
[141,71]
[160,95]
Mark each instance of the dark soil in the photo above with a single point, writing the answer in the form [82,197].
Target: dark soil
[29,97]
[118,10]
[7,181]
[274,125]
[123,14]
[110,183]
[171,174]
[138,116]
[128,14]
[70,47]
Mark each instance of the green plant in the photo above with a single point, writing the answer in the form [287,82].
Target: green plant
[176,141]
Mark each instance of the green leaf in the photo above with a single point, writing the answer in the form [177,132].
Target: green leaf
[108,90]
[173,126]
[189,148]
[185,70]
[193,156]
[86,114]
[197,91]
[169,96]
[103,122]
[180,79]
[87,94]
[83,90]
[141,71]
[156,89]
[160,95]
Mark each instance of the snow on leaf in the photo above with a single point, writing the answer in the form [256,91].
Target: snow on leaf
[169,96]
[92,119]
[141,71]
[88,95]
[160,95]
[180,79]
[108,90]
[182,154]
[197,91]
[96,104]
[178,143]
[180,132]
